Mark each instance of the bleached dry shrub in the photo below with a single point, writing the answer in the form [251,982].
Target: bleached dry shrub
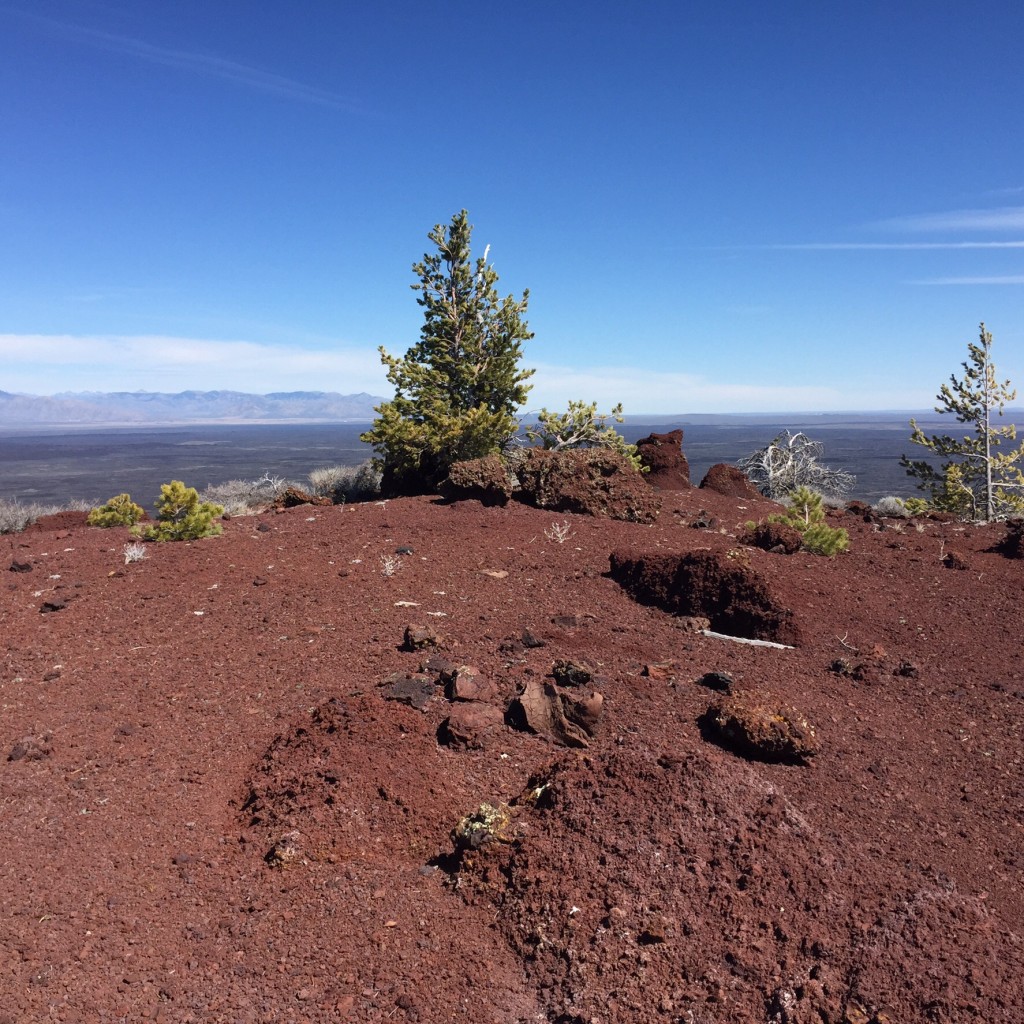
[14,516]
[793,460]
[134,552]
[247,497]
[323,482]
[345,484]
[894,508]
[389,565]
[559,532]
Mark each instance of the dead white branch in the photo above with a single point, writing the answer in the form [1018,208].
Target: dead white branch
[745,640]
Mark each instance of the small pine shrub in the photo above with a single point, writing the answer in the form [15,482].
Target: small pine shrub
[820,539]
[806,514]
[805,507]
[120,510]
[181,515]
[916,506]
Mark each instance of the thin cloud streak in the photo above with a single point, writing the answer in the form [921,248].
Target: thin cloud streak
[650,391]
[1004,218]
[199,63]
[998,280]
[45,364]
[49,364]
[885,246]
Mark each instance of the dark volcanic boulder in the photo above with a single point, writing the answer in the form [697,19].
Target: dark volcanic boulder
[663,456]
[488,480]
[567,718]
[470,725]
[1012,543]
[588,481]
[760,728]
[779,538]
[730,481]
[735,598]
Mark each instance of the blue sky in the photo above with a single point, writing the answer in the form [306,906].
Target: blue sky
[716,207]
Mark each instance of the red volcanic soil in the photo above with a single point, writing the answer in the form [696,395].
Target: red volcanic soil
[212,811]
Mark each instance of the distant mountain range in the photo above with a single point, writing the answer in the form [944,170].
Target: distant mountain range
[153,408]
[115,408]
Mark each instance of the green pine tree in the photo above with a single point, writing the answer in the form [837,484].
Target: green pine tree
[976,481]
[457,390]
[806,514]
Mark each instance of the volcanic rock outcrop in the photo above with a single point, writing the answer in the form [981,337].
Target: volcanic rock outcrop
[667,467]
[729,481]
[588,481]
[735,598]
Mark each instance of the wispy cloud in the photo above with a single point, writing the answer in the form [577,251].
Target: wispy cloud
[1002,218]
[888,246]
[994,280]
[651,391]
[196,63]
[45,364]
[107,293]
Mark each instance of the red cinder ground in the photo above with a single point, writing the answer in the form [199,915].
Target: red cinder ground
[176,719]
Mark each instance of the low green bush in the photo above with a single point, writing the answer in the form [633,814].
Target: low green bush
[119,510]
[806,514]
[916,506]
[181,515]
[820,539]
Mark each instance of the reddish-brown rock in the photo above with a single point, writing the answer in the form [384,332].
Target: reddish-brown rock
[418,637]
[729,481]
[779,538]
[488,480]
[470,725]
[590,481]
[566,718]
[757,726]
[467,683]
[662,454]
[736,599]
